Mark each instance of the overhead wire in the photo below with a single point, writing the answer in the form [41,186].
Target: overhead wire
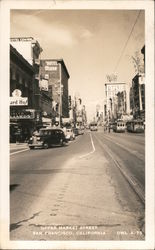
[127,40]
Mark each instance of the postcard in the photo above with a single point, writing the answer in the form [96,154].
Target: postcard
[77,127]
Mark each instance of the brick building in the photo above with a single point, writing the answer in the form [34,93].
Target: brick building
[137,92]
[24,81]
[111,99]
[24,114]
[54,71]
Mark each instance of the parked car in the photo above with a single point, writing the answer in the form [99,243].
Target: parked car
[75,131]
[70,134]
[80,131]
[47,137]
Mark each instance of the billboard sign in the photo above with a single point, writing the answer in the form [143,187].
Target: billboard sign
[17,100]
[43,84]
[22,114]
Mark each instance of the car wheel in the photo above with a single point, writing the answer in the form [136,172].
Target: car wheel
[46,145]
[31,147]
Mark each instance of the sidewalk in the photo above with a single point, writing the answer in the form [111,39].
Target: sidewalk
[18,145]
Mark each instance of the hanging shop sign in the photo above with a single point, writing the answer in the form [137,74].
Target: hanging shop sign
[142,79]
[43,84]
[17,100]
[22,114]
[79,119]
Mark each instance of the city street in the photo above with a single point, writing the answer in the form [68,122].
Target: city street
[90,189]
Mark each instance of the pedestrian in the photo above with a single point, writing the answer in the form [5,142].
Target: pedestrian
[109,128]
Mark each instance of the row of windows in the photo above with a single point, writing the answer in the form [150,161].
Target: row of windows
[50,132]
[16,76]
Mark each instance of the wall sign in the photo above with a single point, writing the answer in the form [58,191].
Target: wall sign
[22,114]
[17,100]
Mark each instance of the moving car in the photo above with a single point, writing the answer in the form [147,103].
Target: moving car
[70,134]
[93,126]
[47,137]
[80,131]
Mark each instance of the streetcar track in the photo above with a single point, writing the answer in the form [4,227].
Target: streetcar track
[135,185]
[123,136]
[135,153]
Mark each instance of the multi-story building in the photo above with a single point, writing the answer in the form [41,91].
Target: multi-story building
[24,115]
[137,96]
[30,49]
[137,92]
[55,72]
[121,104]
[24,76]
[111,91]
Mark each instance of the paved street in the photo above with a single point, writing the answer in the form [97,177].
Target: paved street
[91,189]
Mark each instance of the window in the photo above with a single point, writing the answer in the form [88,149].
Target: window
[17,77]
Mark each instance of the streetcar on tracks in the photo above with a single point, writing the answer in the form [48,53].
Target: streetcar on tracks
[119,126]
[135,126]
[93,126]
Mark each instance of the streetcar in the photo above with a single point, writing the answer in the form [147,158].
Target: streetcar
[119,126]
[135,126]
[93,126]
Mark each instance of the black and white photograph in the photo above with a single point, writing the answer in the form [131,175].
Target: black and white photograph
[78,132]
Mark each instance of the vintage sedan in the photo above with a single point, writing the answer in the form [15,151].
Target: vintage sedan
[47,137]
[70,134]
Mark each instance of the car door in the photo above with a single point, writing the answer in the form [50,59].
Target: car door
[60,136]
[52,137]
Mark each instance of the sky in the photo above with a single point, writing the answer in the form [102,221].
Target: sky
[91,43]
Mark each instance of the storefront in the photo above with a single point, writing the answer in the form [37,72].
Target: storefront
[22,123]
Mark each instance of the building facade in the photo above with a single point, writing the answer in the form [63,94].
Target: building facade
[111,110]
[24,80]
[121,108]
[137,92]
[56,74]
[24,114]
[30,49]
[137,96]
